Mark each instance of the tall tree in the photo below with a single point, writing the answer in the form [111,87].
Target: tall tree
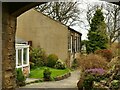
[91,9]
[64,12]
[113,21]
[97,38]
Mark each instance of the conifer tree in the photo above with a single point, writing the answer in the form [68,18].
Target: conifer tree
[97,37]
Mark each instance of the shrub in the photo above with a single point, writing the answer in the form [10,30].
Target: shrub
[47,75]
[105,53]
[60,64]
[32,65]
[20,78]
[51,60]
[38,57]
[74,64]
[116,77]
[113,62]
[91,76]
[115,84]
[92,61]
[88,82]
[98,73]
[114,48]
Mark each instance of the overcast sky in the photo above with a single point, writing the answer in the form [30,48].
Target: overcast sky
[83,6]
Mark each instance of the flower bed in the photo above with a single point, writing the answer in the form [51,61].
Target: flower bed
[99,78]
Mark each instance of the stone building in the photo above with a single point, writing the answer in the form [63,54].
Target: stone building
[9,13]
[51,35]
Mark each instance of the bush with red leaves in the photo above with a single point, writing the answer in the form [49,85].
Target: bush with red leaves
[106,53]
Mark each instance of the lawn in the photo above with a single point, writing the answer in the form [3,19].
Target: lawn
[38,72]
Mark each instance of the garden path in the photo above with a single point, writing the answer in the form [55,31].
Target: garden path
[70,82]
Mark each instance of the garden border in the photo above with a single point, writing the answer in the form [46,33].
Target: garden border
[62,76]
[58,78]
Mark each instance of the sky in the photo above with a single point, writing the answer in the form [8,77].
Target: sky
[81,28]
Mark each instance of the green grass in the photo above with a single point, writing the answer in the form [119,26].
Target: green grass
[38,72]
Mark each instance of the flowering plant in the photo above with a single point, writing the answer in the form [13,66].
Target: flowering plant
[100,71]
[92,75]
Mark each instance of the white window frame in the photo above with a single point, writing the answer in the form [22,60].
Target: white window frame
[22,47]
[75,44]
[78,43]
[71,42]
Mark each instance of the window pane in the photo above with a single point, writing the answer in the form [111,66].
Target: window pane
[75,44]
[25,56]
[19,57]
[71,44]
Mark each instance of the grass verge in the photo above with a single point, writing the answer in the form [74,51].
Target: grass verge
[38,72]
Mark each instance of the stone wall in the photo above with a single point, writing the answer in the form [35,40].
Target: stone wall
[0,45]
[9,13]
[26,71]
[75,48]
[8,50]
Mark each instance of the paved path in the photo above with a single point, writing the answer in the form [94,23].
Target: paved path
[70,82]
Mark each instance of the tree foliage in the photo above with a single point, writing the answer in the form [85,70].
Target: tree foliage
[64,12]
[38,57]
[90,12]
[112,19]
[97,38]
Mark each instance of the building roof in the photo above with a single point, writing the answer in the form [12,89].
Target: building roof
[19,40]
[74,30]
[117,2]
